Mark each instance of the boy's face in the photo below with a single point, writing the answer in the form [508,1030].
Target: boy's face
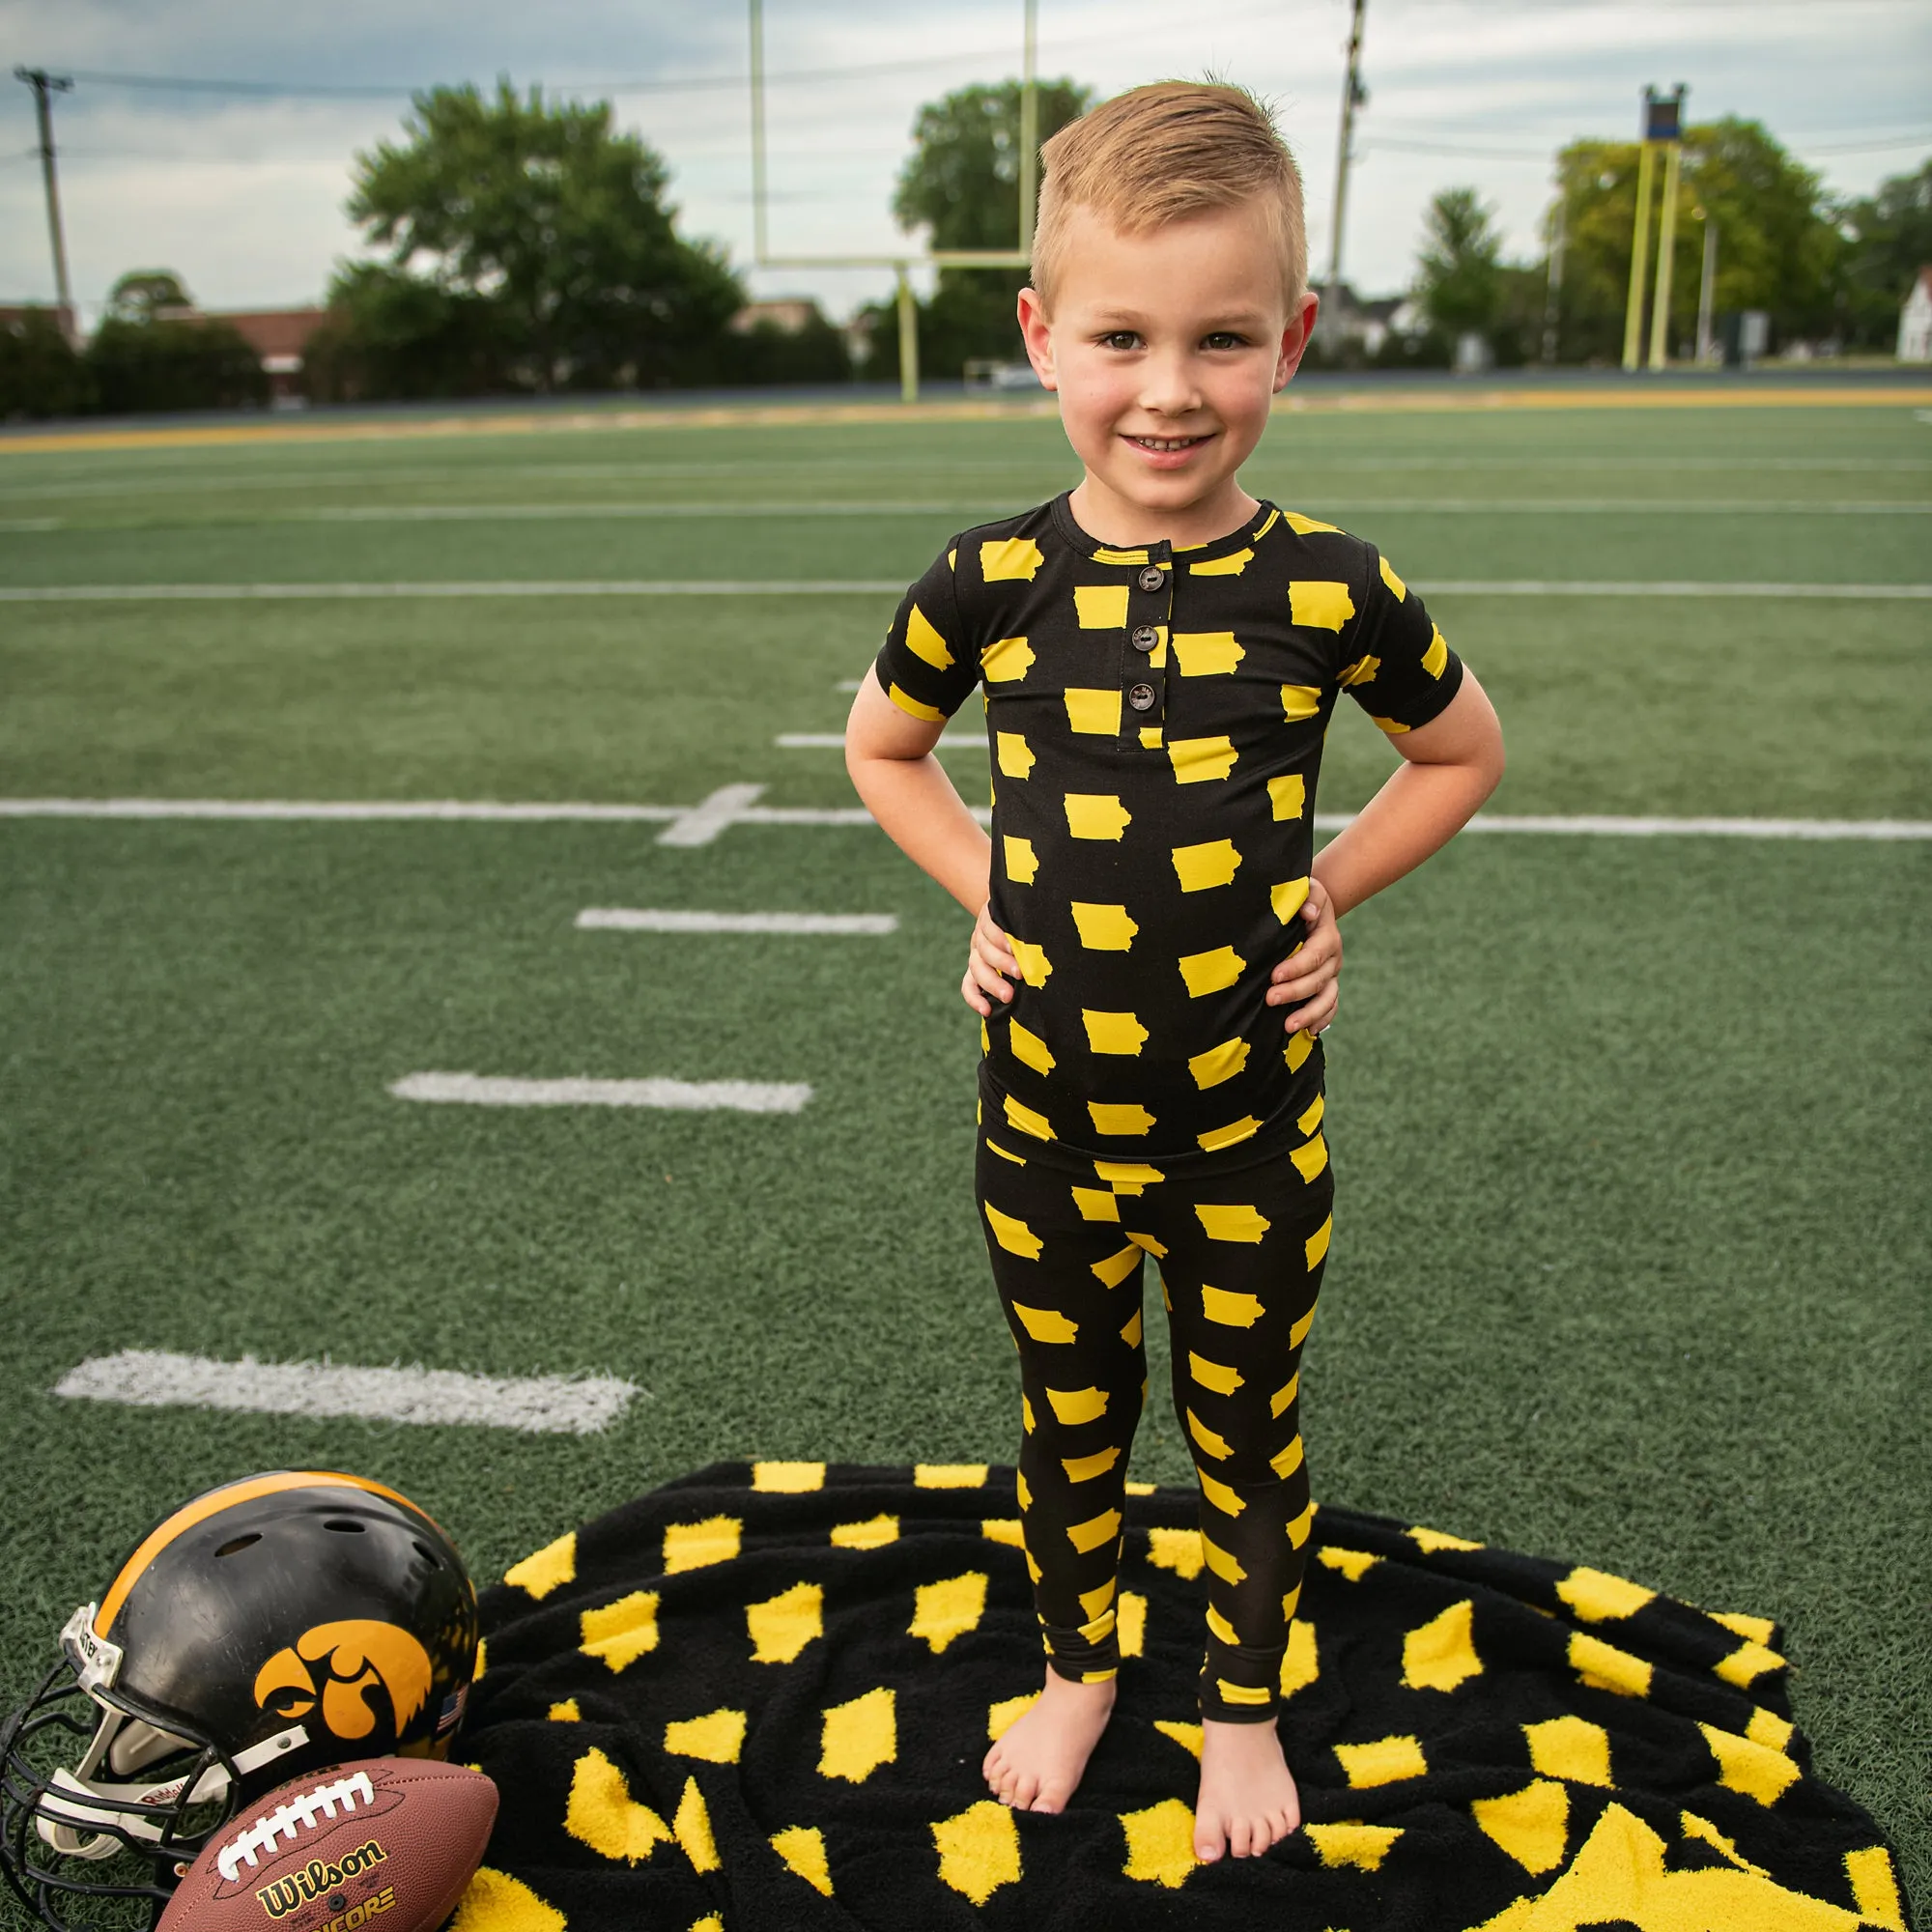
[1167,348]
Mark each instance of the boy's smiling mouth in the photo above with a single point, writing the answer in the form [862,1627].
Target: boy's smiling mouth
[1166,445]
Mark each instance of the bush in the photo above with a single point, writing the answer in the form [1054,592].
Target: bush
[389,337]
[1431,350]
[765,352]
[40,374]
[174,364]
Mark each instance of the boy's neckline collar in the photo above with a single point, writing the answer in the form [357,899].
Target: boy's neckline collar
[1095,551]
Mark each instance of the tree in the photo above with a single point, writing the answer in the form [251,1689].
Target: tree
[1888,240]
[1460,283]
[141,295]
[542,213]
[152,352]
[1778,247]
[41,375]
[962,184]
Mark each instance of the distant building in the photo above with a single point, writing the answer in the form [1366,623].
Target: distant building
[281,337]
[1346,317]
[788,314]
[1915,320]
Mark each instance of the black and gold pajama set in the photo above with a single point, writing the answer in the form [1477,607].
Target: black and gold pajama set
[1156,719]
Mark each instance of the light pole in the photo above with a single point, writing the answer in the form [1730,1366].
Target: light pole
[45,85]
[1552,296]
[1707,287]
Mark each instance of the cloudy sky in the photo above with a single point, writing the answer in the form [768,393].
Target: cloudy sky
[239,189]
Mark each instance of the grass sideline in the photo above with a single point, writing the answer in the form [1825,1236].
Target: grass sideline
[1629,1265]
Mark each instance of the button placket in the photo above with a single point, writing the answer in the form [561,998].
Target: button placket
[1149,604]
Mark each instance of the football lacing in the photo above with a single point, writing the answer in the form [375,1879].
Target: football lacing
[295,1813]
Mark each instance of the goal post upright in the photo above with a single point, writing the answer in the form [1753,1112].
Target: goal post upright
[901,266]
[1666,244]
[1029,128]
[1639,263]
[1663,129]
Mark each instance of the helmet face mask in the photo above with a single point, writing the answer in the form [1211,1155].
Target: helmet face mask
[79,1836]
[275,1627]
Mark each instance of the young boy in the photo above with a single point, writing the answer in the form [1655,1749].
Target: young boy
[1160,655]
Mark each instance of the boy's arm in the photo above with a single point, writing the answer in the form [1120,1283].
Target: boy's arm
[890,757]
[1451,765]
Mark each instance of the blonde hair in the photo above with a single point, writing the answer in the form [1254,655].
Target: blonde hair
[1163,152]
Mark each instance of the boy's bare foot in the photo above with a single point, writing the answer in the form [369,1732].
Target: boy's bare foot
[1037,1764]
[1248,1800]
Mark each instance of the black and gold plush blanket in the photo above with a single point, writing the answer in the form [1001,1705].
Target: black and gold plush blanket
[757,1699]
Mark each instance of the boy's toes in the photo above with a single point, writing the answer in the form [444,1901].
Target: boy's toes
[1241,1837]
[1021,1792]
[1209,1842]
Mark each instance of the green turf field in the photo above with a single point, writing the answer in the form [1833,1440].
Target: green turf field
[1632,1135]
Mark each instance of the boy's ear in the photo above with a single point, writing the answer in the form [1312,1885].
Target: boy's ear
[1037,333]
[1294,339]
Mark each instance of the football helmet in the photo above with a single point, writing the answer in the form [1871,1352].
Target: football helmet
[269,1629]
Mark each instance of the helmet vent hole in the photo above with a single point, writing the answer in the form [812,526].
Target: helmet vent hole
[237,1544]
[429,1555]
[344,1525]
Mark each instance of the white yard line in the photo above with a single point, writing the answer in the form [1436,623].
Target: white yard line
[1596,826]
[353,810]
[772,586]
[698,1097]
[710,815]
[988,509]
[715,814]
[652,918]
[1556,588]
[538,1404]
[486,513]
[835,740]
[246,593]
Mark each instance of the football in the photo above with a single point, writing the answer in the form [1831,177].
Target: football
[388,1842]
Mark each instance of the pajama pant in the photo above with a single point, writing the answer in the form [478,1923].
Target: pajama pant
[1239,1255]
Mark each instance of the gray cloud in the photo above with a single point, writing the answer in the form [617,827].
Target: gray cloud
[242,194]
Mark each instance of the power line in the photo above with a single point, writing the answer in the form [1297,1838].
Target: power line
[677,84]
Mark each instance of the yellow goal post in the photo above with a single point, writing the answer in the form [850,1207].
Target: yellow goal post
[902,265]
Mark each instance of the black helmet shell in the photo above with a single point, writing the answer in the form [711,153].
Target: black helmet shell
[295,1597]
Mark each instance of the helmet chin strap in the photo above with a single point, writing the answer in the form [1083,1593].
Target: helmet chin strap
[81,1801]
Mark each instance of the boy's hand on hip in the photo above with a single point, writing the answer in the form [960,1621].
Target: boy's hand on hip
[990,968]
[1307,982]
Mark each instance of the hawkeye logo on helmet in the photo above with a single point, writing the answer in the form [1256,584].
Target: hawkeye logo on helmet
[333,1668]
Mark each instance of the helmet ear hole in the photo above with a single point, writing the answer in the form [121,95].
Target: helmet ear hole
[238,1543]
[138,1744]
[344,1525]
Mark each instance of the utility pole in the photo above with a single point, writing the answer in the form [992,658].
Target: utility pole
[1353,95]
[45,85]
